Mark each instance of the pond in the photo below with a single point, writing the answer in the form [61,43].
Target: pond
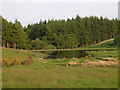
[69,53]
[65,54]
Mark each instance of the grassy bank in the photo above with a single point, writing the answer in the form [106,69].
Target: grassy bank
[51,73]
[83,48]
[109,44]
[20,54]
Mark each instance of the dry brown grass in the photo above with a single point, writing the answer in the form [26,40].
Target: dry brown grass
[99,63]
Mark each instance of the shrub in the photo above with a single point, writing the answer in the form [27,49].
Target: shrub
[37,44]
[5,62]
[27,61]
[50,47]
[15,62]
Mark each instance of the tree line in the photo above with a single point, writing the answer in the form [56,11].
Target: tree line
[61,34]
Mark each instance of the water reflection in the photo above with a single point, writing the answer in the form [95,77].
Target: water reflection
[70,53]
[66,54]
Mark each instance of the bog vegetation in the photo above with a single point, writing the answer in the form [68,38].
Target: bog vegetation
[60,34]
[96,70]
[54,73]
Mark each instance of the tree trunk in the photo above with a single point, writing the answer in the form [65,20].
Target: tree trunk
[14,45]
[94,42]
[7,44]
[86,44]
[3,45]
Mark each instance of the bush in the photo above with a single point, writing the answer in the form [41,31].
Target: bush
[27,61]
[39,44]
[50,47]
[5,62]
[14,62]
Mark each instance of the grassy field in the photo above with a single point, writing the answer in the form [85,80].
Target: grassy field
[39,75]
[20,54]
[53,73]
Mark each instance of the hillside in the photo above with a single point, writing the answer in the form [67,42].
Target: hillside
[105,44]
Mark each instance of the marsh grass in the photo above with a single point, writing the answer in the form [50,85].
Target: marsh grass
[96,54]
[59,77]
[50,73]
[21,55]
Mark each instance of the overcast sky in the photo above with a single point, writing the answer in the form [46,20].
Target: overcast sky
[32,12]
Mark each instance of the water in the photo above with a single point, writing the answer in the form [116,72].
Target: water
[68,53]
[65,54]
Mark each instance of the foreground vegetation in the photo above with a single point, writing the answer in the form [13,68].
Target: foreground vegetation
[53,73]
[39,75]
[20,54]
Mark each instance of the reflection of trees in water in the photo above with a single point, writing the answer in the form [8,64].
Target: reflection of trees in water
[47,52]
[67,54]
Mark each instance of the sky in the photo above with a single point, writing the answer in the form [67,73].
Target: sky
[34,11]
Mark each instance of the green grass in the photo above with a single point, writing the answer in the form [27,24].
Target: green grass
[48,76]
[50,73]
[53,73]
[21,55]
[95,56]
